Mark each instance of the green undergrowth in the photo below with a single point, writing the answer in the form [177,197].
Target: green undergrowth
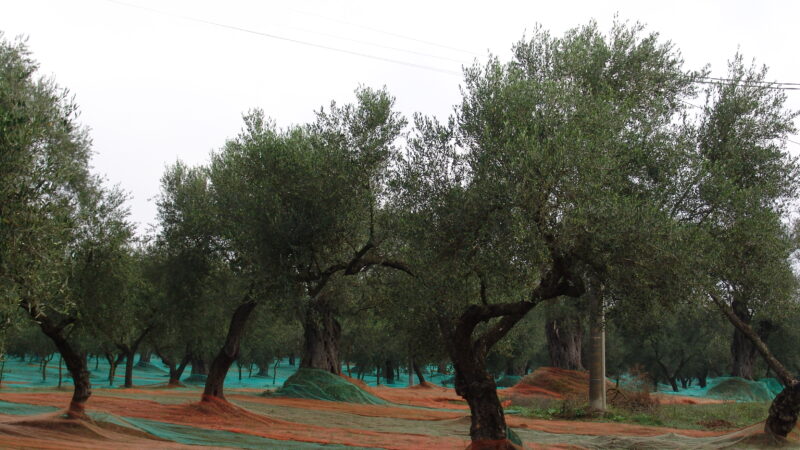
[318,384]
[721,416]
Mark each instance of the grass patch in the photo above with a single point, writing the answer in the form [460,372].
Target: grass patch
[692,417]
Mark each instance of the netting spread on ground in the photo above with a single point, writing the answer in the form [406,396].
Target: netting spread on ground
[318,384]
[323,410]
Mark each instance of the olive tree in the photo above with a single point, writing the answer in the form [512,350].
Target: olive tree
[54,216]
[554,178]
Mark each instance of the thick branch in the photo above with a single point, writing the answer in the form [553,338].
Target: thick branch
[784,375]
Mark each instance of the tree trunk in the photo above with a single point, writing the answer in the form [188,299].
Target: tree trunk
[701,381]
[418,371]
[784,411]
[60,363]
[113,362]
[674,383]
[75,361]
[597,351]
[175,372]
[564,343]
[476,385]
[743,352]
[228,353]
[129,356]
[321,338]
[389,372]
[144,359]
[785,407]
[199,366]
[291,359]
[43,365]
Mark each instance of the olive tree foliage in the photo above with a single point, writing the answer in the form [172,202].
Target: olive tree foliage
[744,191]
[300,205]
[558,171]
[57,223]
[183,259]
[44,156]
[199,277]
[746,182]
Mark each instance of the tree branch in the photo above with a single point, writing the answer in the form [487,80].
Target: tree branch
[783,374]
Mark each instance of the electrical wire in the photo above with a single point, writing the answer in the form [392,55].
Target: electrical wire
[759,82]
[288,39]
[388,33]
[783,86]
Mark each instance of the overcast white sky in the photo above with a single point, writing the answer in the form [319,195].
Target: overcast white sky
[154,87]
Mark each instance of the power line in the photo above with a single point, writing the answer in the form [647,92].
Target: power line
[784,86]
[375,44]
[760,82]
[287,39]
[388,33]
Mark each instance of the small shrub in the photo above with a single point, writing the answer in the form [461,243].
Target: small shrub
[572,409]
[632,401]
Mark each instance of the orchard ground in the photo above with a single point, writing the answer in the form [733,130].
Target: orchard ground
[544,410]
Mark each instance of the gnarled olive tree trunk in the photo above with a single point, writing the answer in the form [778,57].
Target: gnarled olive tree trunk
[76,361]
[564,336]
[228,353]
[321,338]
[743,351]
[468,353]
[785,407]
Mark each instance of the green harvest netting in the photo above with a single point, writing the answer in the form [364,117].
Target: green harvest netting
[731,388]
[740,389]
[187,435]
[22,409]
[322,385]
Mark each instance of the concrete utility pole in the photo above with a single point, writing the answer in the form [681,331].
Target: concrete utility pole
[597,349]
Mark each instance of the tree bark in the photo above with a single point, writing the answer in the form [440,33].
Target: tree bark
[228,353]
[743,352]
[113,362]
[199,366]
[175,371]
[477,386]
[564,337]
[785,407]
[321,338]
[175,375]
[144,359]
[389,373]
[129,356]
[418,371]
[75,361]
